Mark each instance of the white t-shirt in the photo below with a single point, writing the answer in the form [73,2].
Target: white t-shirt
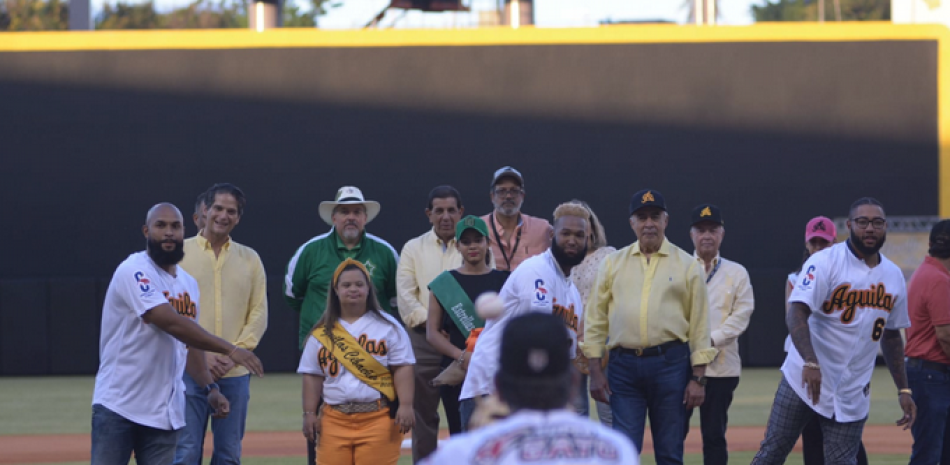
[851,306]
[140,366]
[537,285]
[534,437]
[384,338]
[792,280]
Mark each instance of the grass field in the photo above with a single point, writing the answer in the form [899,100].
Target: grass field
[61,405]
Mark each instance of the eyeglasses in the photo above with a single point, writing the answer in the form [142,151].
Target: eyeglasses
[863,222]
[508,192]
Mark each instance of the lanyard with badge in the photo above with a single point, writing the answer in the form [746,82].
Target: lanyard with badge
[501,246]
[715,269]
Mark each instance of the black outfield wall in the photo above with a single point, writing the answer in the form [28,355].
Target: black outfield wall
[774,133]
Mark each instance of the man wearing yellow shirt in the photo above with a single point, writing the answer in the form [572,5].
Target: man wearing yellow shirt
[730,306]
[649,301]
[422,260]
[233,302]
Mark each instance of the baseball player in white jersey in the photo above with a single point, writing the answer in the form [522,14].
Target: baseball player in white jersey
[849,298]
[540,284]
[148,339]
[536,380]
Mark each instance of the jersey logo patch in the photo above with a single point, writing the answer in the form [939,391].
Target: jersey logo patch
[847,299]
[331,366]
[144,283]
[809,276]
[528,444]
[183,304]
[370,267]
[539,291]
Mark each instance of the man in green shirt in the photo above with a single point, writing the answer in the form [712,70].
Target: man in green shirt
[311,267]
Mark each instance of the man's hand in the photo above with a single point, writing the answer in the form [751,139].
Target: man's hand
[694,395]
[219,403]
[248,360]
[811,380]
[311,426]
[599,388]
[218,365]
[404,418]
[910,411]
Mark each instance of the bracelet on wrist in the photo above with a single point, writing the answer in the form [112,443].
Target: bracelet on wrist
[812,365]
[905,391]
[309,413]
[232,351]
[461,358]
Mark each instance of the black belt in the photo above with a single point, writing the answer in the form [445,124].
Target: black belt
[927,365]
[650,351]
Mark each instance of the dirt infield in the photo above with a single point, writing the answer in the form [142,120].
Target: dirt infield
[878,439]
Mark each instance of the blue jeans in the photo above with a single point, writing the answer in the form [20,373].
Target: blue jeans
[654,385]
[228,432]
[931,432]
[466,409]
[114,438]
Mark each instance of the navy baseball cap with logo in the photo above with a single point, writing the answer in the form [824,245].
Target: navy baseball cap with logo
[647,198]
[536,346]
[707,212]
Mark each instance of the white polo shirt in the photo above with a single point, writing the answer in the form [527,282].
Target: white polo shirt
[537,285]
[140,366]
[384,338]
[535,437]
[851,306]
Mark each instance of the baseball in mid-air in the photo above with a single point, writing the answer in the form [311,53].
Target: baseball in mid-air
[489,305]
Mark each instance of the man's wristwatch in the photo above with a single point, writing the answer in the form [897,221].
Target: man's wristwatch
[207,389]
[700,380]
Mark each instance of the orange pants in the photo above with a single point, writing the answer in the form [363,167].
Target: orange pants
[358,438]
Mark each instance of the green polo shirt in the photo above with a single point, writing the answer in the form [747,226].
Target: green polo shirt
[311,268]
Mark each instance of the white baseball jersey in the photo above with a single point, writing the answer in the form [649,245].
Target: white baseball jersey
[140,366]
[851,306]
[537,285]
[543,438]
[384,338]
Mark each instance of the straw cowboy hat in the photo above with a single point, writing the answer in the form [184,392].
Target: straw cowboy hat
[348,195]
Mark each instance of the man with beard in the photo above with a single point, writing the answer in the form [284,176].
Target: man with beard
[148,340]
[311,268]
[541,284]
[649,309]
[848,300]
[233,288]
[514,235]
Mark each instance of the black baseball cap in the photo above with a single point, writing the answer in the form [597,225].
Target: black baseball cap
[707,212]
[647,198]
[507,172]
[535,346]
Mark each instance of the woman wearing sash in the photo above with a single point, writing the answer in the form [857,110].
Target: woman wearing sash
[452,318]
[358,360]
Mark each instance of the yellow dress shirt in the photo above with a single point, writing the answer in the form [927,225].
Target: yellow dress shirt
[730,307]
[233,285]
[422,259]
[639,304]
